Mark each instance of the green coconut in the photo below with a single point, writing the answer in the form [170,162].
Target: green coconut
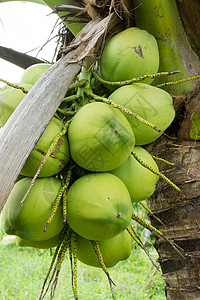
[151,103]
[140,182]
[100,137]
[50,243]
[56,161]
[130,54]
[113,250]
[28,220]
[33,73]
[9,99]
[98,206]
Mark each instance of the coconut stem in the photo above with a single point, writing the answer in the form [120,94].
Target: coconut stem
[178,81]
[64,240]
[130,81]
[60,259]
[66,112]
[155,172]
[52,262]
[97,250]
[123,109]
[61,193]
[138,241]
[163,160]
[64,197]
[145,224]
[159,233]
[79,83]
[15,86]
[70,98]
[74,264]
[49,152]
[66,185]
[151,213]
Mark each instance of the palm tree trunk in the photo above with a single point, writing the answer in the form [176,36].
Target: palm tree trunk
[179,211]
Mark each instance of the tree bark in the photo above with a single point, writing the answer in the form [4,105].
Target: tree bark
[179,211]
[189,12]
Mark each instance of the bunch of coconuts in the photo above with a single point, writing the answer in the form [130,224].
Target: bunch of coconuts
[98,147]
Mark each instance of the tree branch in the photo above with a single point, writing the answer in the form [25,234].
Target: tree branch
[17,58]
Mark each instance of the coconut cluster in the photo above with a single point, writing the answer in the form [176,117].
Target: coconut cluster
[91,178]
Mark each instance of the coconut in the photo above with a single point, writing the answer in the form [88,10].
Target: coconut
[28,220]
[10,98]
[50,243]
[98,206]
[130,54]
[33,73]
[113,250]
[58,158]
[139,181]
[151,103]
[100,137]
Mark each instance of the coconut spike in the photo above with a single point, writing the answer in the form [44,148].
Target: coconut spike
[178,81]
[50,268]
[61,194]
[74,266]
[121,108]
[61,256]
[49,152]
[64,198]
[130,81]
[56,256]
[15,86]
[163,160]
[97,250]
[64,194]
[63,240]
[155,172]
[151,213]
[71,264]
[53,145]
[145,224]
[156,231]
[55,207]
[60,259]
[131,230]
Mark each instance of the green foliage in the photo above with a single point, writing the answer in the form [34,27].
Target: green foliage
[22,272]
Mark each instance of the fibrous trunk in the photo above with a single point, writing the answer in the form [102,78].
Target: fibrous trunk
[179,211]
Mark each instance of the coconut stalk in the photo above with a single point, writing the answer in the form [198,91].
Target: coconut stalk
[161,18]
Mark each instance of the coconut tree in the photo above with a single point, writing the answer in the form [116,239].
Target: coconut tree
[175,24]
[178,211]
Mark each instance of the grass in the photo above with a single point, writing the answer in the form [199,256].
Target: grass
[23,270]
